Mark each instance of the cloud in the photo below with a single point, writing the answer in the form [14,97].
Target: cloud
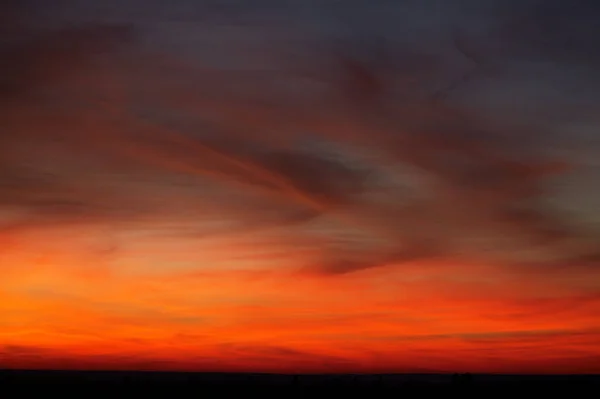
[228,195]
[34,357]
[35,60]
[420,179]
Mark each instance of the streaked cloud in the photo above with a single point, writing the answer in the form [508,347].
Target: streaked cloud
[340,195]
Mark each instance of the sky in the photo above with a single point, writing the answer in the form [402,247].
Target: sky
[300,186]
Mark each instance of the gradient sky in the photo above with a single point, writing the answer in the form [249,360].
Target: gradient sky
[301,186]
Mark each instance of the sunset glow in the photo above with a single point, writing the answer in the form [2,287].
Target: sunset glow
[162,210]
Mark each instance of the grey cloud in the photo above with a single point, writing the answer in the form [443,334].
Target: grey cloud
[476,190]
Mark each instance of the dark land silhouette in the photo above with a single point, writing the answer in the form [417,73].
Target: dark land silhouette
[191,384]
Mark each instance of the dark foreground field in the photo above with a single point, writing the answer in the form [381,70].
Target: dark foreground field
[16,383]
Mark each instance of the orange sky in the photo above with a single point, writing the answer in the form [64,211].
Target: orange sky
[178,196]
[67,308]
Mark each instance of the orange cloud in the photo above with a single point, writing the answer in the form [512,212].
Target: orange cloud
[427,318]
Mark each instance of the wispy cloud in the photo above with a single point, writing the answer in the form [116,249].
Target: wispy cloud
[154,192]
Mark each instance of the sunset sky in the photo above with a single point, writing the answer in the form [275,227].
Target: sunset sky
[300,186]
